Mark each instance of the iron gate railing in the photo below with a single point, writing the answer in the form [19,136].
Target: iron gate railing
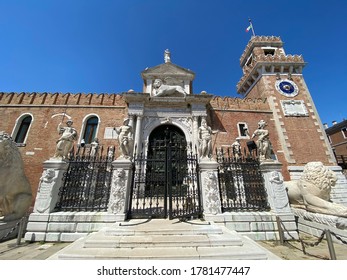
[165,187]
[241,183]
[87,181]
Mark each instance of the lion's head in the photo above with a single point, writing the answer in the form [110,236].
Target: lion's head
[320,176]
[157,83]
[9,154]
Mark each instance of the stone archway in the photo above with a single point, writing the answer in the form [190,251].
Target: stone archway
[165,182]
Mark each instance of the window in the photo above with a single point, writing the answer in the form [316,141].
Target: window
[90,129]
[344,132]
[22,128]
[269,51]
[243,130]
[249,60]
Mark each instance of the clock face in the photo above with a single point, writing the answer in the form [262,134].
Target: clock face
[287,88]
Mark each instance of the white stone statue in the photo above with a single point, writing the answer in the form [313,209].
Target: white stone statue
[159,89]
[167,57]
[236,147]
[312,191]
[94,147]
[66,140]
[125,138]
[15,190]
[205,139]
[263,143]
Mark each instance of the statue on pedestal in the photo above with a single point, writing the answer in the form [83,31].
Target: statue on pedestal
[66,140]
[205,140]
[236,148]
[263,143]
[125,138]
[94,147]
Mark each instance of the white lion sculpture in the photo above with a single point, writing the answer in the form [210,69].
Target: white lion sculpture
[312,190]
[15,190]
[161,90]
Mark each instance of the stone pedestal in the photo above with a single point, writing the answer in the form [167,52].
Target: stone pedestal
[50,183]
[120,188]
[277,194]
[209,187]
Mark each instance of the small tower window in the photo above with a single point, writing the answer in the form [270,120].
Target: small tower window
[344,132]
[23,130]
[249,60]
[269,51]
[90,130]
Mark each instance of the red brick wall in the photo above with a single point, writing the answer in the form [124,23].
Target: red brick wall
[40,144]
[223,115]
[304,136]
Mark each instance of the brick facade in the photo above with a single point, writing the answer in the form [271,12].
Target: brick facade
[296,140]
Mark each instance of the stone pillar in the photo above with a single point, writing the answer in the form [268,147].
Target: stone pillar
[195,132]
[50,183]
[138,133]
[277,194]
[120,188]
[209,187]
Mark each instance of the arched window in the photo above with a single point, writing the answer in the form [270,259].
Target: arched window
[22,129]
[90,130]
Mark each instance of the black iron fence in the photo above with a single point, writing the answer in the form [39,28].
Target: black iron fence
[87,181]
[166,185]
[342,161]
[241,183]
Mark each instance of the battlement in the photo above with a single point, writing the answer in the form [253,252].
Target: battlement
[52,99]
[265,55]
[259,41]
[235,103]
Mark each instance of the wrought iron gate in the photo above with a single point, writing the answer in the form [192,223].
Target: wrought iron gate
[165,183]
[87,181]
[241,184]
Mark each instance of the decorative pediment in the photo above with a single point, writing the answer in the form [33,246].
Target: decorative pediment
[175,79]
[167,70]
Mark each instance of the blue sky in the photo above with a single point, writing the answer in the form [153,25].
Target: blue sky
[103,45]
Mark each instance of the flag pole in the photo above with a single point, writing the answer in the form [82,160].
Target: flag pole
[250,23]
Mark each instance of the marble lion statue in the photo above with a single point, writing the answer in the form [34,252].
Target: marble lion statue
[312,191]
[15,190]
[160,89]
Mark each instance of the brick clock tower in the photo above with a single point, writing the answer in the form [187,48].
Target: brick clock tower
[268,72]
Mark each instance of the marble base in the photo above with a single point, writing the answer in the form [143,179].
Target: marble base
[329,220]
[314,224]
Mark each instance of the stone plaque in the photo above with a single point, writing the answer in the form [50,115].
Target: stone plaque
[110,133]
[294,108]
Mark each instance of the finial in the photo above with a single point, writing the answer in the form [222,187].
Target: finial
[167,57]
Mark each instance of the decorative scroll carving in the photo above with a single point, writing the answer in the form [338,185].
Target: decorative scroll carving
[118,190]
[213,204]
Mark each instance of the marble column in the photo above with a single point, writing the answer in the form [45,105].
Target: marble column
[138,133]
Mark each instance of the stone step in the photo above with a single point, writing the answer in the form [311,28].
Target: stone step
[99,240]
[248,251]
[167,227]
[164,239]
